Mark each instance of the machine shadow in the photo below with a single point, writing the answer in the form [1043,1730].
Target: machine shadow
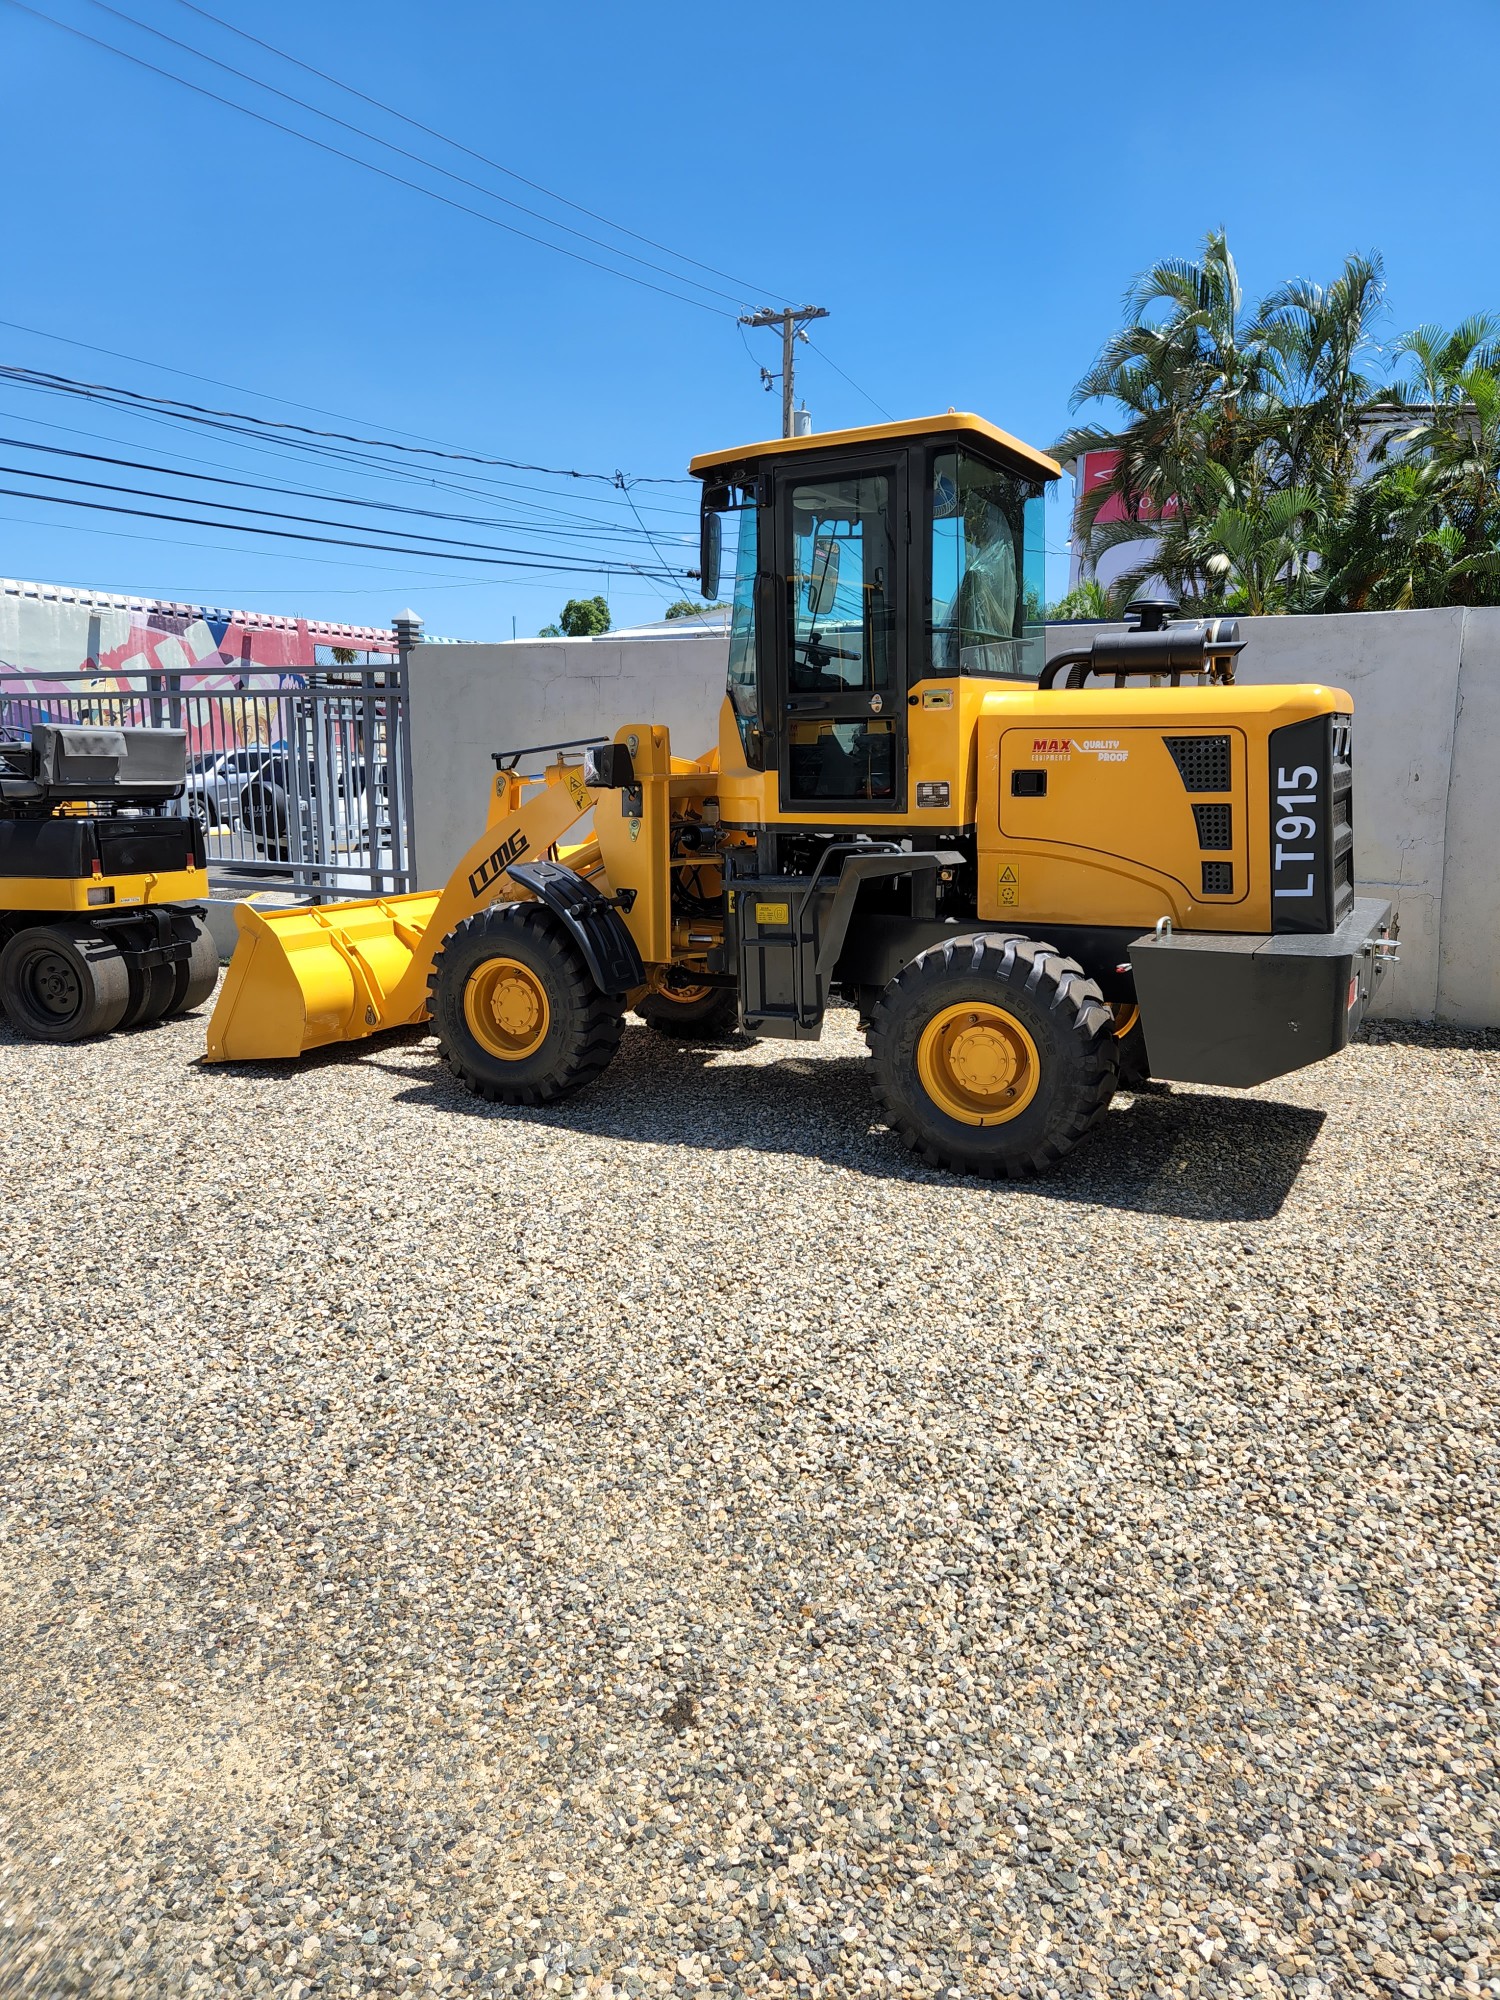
[1184,1154]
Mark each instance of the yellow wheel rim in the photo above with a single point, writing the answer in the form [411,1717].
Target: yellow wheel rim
[978,1064]
[683,996]
[505,1005]
[1126,1015]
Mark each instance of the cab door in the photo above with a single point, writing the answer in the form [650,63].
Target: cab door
[840,685]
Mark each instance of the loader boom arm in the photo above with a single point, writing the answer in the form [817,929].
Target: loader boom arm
[303,978]
[516,832]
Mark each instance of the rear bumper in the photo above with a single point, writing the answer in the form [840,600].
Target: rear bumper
[1239,1011]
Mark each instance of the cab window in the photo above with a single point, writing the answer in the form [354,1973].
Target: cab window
[985,611]
[739,543]
[843,572]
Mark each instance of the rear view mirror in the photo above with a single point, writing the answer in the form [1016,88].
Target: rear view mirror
[710,551]
[822,585]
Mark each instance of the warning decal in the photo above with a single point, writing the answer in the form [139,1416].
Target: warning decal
[1010,883]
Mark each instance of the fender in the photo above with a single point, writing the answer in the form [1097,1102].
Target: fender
[593,922]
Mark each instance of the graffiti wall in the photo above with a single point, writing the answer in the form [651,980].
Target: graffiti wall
[77,655]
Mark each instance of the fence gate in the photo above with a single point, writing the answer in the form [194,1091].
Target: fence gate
[302,782]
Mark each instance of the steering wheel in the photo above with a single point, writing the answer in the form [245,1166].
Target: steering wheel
[817,652]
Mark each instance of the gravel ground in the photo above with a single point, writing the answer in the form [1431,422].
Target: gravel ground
[671,1543]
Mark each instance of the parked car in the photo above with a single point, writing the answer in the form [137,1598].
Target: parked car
[217,779]
[270,799]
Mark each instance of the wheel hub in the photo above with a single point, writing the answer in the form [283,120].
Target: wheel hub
[978,1063]
[54,985]
[505,1006]
[983,1060]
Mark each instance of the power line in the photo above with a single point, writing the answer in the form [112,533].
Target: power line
[314,409]
[457,144]
[828,358]
[400,180]
[109,392]
[333,499]
[544,560]
[405,153]
[281,555]
[551,519]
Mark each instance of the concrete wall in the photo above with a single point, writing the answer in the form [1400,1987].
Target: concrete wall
[1426,686]
[467,701]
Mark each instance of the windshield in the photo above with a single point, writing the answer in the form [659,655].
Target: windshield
[988,575]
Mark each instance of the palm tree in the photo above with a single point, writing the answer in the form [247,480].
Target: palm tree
[1192,378]
[1258,558]
[1320,336]
[1242,445]
[1426,529]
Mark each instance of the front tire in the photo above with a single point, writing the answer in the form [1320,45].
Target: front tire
[63,983]
[993,1055]
[517,1016]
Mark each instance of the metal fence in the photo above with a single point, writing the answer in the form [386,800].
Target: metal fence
[302,782]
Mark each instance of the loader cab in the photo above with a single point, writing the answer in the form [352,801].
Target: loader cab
[862,564]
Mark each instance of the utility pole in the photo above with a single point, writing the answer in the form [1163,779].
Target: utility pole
[791,323]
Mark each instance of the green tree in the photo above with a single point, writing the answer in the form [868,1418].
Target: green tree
[1320,338]
[1194,381]
[1087,599]
[1245,473]
[687,607]
[1258,559]
[1426,529]
[580,618]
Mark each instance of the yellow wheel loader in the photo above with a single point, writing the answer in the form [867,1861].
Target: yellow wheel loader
[101,912]
[1035,881]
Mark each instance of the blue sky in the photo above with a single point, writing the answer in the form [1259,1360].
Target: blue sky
[968,191]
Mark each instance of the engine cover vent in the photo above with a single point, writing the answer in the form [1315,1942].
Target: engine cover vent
[1215,826]
[1202,762]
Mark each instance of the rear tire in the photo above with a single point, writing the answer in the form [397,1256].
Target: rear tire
[198,974]
[517,1016]
[62,983]
[704,1015]
[993,1055]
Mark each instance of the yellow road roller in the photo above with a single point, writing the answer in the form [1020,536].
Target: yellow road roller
[1036,881]
[101,883]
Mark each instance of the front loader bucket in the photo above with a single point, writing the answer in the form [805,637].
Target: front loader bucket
[305,977]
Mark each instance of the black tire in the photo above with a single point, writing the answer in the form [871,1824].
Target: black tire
[577,1036]
[706,1017]
[1063,1091]
[151,991]
[198,974]
[264,809]
[62,983]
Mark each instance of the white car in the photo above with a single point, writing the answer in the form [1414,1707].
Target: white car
[216,782]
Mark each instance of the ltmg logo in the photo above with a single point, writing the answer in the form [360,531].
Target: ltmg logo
[494,865]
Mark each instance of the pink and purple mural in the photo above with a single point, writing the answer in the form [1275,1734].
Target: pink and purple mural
[81,653]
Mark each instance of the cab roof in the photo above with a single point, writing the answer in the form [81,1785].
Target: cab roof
[956,424]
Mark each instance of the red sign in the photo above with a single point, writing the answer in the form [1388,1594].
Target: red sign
[1095,469]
